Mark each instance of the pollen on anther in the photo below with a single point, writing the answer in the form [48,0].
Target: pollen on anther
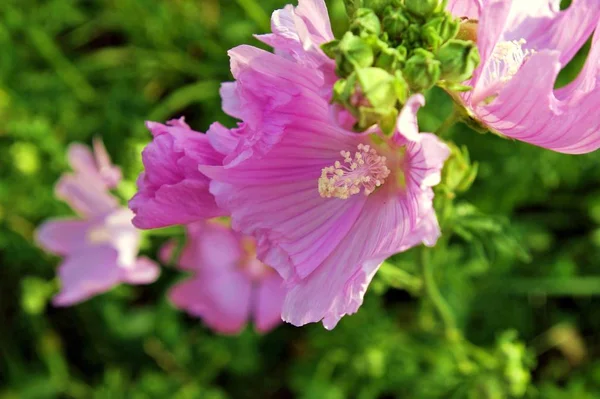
[364,170]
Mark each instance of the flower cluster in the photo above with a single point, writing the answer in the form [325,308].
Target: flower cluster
[290,213]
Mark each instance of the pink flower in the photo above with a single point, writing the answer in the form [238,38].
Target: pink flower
[172,190]
[523,46]
[100,248]
[327,206]
[229,285]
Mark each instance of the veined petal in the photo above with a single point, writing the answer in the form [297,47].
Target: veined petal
[545,27]
[379,232]
[527,110]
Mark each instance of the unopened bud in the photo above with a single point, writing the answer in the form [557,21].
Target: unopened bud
[422,8]
[458,59]
[355,53]
[379,5]
[366,21]
[395,23]
[390,59]
[422,70]
[439,30]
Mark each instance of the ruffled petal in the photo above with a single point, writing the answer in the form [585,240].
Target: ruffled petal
[63,236]
[527,110]
[545,27]
[270,92]
[172,190]
[298,33]
[222,300]
[268,302]
[336,288]
[88,272]
[465,8]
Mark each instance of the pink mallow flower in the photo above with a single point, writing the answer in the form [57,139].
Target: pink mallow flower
[100,247]
[326,205]
[524,44]
[172,190]
[229,285]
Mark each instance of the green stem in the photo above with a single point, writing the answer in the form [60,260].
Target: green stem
[432,291]
[446,125]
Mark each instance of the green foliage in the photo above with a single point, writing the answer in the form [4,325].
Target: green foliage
[517,264]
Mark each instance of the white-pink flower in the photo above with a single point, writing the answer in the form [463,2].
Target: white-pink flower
[99,247]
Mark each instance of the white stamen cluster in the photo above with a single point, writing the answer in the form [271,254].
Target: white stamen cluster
[506,60]
[366,170]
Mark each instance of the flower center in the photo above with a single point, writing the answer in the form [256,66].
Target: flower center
[253,268]
[504,63]
[365,170]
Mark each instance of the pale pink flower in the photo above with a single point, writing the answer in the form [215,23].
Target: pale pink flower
[99,248]
[229,285]
[523,46]
[171,189]
[326,205]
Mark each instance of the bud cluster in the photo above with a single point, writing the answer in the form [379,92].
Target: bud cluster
[395,48]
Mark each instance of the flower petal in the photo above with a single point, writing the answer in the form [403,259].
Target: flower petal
[465,8]
[268,303]
[222,300]
[86,197]
[88,272]
[144,271]
[172,190]
[545,27]
[63,236]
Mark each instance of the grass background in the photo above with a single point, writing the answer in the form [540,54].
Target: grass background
[523,274]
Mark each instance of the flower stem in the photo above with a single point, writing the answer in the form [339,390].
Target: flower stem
[432,291]
[447,124]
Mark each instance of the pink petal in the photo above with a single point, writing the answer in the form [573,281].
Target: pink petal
[85,196]
[86,273]
[527,110]
[63,236]
[336,288]
[110,173]
[268,303]
[545,27]
[222,300]
[276,199]
[465,8]
[144,271]
[172,190]
[407,126]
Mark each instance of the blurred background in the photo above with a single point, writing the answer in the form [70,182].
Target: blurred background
[521,271]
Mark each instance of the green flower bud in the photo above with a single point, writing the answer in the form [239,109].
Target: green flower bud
[379,5]
[366,21]
[390,59]
[422,70]
[395,23]
[459,59]
[331,49]
[439,30]
[422,8]
[355,53]
[377,86]
[352,6]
